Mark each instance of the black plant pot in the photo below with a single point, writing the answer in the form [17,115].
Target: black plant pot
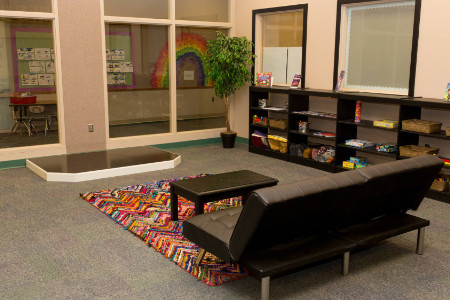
[228,139]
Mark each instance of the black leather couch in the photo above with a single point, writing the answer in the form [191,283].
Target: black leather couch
[288,226]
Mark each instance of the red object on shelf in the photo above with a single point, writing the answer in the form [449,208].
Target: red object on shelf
[22,100]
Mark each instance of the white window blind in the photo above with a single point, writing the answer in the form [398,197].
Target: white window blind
[378,50]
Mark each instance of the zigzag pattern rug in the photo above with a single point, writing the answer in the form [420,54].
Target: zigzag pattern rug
[144,210]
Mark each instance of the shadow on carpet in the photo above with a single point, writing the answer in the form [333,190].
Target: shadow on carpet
[144,210]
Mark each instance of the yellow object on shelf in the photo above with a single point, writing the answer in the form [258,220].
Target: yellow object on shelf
[386,123]
[349,165]
[277,143]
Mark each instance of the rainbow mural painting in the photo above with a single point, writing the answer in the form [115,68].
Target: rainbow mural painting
[191,48]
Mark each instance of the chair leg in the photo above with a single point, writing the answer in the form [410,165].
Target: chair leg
[345,263]
[200,256]
[14,128]
[265,285]
[420,240]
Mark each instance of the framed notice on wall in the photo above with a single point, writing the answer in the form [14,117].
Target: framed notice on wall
[33,59]
[120,60]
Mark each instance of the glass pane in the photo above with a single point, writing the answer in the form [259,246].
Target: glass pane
[136,60]
[197,107]
[282,45]
[379,42]
[27,5]
[28,116]
[157,9]
[202,10]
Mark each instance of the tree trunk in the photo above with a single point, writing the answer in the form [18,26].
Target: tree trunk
[226,101]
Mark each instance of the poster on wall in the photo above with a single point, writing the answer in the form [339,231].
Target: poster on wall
[33,59]
[120,60]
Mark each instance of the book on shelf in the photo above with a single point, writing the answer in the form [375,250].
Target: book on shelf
[325,134]
[338,84]
[264,79]
[275,108]
[296,80]
[447,93]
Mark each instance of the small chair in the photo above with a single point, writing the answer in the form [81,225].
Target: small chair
[19,121]
[37,115]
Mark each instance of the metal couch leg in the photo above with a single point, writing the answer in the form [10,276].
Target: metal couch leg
[200,256]
[420,240]
[265,282]
[345,263]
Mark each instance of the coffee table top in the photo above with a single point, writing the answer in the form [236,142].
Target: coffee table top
[223,182]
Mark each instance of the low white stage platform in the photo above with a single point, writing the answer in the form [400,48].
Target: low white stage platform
[102,164]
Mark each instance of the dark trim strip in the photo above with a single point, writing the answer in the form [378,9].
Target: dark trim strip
[414,48]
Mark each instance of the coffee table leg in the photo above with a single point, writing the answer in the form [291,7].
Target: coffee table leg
[199,207]
[173,205]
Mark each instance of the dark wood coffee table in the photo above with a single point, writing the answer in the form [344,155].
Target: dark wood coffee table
[216,187]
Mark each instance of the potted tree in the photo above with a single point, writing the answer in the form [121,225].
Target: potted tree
[227,65]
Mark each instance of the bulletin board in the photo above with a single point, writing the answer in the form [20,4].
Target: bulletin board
[120,60]
[33,59]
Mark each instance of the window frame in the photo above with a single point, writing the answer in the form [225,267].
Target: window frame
[341,29]
[256,16]
[172,23]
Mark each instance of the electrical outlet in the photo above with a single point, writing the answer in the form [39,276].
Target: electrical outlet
[91,127]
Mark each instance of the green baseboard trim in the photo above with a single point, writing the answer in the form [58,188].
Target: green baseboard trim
[185,144]
[242,140]
[10,164]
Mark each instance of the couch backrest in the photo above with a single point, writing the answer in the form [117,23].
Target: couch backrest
[291,211]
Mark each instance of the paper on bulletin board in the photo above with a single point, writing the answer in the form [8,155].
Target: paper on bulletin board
[25,53]
[117,54]
[126,67]
[116,78]
[29,79]
[42,54]
[36,66]
[46,79]
[50,67]
[108,54]
[113,67]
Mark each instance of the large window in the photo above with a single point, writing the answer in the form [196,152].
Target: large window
[157,9]
[28,99]
[156,80]
[196,106]
[137,67]
[202,10]
[27,5]
[376,46]
[280,42]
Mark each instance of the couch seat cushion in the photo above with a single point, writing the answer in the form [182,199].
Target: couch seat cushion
[212,231]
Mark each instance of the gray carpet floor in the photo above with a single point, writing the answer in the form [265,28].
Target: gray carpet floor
[54,245]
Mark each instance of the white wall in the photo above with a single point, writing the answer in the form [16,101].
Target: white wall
[433,62]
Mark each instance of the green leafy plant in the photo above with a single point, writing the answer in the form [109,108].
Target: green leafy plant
[227,63]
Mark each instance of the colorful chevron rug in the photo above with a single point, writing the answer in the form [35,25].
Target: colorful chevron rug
[144,210]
